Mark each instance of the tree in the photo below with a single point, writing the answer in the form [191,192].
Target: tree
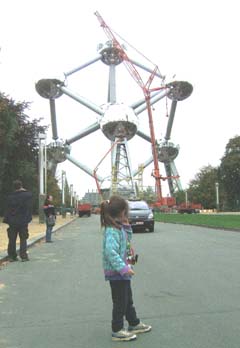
[19,148]
[148,195]
[8,128]
[202,189]
[180,196]
[67,194]
[230,173]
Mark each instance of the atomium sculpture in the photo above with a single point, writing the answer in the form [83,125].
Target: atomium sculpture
[119,122]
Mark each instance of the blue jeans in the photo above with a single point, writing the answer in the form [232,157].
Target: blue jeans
[122,304]
[48,233]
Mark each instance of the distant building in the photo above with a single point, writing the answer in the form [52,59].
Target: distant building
[92,197]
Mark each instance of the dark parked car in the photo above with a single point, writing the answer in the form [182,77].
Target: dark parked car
[140,216]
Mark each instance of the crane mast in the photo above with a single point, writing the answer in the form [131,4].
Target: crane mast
[146,91]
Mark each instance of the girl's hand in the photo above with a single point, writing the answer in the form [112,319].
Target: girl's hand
[130,272]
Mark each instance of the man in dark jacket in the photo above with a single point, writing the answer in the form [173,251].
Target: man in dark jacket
[18,215]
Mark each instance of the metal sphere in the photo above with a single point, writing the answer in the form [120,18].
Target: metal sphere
[167,152]
[49,88]
[111,55]
[119,121]
[57,151]
[179,90]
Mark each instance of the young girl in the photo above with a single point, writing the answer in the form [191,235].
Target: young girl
[49,210]
[118,270]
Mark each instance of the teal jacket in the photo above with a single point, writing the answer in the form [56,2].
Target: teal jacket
[115,252]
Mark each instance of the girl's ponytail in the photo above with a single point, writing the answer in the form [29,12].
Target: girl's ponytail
[103,213]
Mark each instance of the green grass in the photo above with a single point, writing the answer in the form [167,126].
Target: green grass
[209,220]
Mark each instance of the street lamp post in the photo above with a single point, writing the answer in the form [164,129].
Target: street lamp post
[63,194]
[45,167]
[186,198]
[74,200]
[217,195]
[71,198]
[41,164]
[77,198]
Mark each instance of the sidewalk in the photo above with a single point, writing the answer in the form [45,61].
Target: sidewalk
[36,233]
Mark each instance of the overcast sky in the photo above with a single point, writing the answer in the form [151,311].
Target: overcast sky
[197,41]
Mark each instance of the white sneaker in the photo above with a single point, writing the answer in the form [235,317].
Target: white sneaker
[140,328]
[123,335]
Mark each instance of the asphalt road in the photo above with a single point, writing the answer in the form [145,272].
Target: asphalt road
[187,286]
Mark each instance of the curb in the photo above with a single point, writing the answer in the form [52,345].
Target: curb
[33,241]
